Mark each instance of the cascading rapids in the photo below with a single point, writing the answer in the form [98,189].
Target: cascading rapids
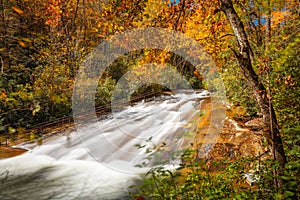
[101,162]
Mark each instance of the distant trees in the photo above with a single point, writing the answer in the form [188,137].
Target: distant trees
[41,45]
[43,42]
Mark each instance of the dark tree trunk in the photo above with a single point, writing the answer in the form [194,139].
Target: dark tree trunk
[244,58]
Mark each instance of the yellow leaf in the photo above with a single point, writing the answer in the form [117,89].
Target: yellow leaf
[11,130]
[32,136]
[37,109]
[21,43]
[3,95]
[26,39]
[17,10]
[52,98]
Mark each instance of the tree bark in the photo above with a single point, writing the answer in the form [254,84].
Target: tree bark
[244,58]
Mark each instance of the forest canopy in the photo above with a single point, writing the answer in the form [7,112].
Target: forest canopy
[254,44]
[43,42]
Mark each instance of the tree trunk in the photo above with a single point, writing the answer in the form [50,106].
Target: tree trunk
[244,58]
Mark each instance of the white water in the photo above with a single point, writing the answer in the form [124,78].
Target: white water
[99,160]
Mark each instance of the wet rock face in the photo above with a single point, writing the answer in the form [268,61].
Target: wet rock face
[247,143]
[235,140]
[255,124]
[234,144]
[223,150]
[7,152]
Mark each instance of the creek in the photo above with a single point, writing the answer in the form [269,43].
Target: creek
[100,159]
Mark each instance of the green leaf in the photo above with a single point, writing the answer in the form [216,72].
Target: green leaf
[11,130]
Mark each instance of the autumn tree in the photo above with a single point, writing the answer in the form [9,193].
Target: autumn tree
[244,56]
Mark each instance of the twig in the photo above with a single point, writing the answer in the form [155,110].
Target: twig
[2,65]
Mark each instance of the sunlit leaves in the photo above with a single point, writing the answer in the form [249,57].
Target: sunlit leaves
[17,10]
[36,109]
[11,130]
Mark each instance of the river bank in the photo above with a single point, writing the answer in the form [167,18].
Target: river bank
[7,151]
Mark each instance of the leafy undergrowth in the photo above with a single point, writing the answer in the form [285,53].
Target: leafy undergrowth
[225,178]
[195,179]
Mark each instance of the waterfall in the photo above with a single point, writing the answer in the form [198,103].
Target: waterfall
[99,160]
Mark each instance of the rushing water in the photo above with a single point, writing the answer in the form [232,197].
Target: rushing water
[99,160]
